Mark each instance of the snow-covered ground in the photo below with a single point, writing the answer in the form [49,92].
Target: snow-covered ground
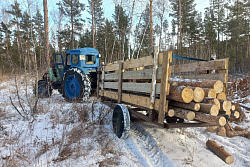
[59,133]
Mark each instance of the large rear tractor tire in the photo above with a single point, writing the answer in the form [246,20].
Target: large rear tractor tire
[44,89]
[121,121]
[76,85]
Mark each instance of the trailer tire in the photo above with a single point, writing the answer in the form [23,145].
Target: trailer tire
[121,121]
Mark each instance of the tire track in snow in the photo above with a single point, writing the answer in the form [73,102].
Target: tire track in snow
[146,148]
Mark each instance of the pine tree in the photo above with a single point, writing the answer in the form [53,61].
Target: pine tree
[72,9]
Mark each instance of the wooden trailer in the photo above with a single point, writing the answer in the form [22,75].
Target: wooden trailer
[145,89]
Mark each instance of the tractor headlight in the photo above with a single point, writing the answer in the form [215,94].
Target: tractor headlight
[82,57]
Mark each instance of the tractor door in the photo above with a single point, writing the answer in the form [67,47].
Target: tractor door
[59,63]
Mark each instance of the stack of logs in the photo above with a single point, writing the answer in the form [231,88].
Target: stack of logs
[201,100]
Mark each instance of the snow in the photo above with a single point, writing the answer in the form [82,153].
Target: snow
[80,134]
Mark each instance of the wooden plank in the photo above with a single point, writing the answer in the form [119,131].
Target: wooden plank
[216,76]
[132,86]
[112,67]
[200,66]
[120,83]
[153,83]
[133,99]
[138,74]
[164,86]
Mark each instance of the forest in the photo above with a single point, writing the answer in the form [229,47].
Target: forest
[134,29]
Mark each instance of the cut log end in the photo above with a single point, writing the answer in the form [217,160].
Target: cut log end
[218,86]
[170,113]
[229,159]
[222,121]
[190,116]
[214,110]
[199,94]
[197,107]
[236,114]
[187,95]
[222,96]
[227,105]
[210,92]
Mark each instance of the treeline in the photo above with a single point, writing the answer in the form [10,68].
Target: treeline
[223,29]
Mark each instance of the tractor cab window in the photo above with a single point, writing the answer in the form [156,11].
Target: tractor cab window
[75,59]
[90,59]
[68,60]
[59,59]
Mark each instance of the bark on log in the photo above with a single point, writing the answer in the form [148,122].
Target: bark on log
[213,101]
[220,151]
[181,94]
[237,128]
[184,114]
[218,120]
[203,83]
[189,106]
[221,131]
[222,96]
[212,128]
[209,92]
[225,105]
[199,94]
[209,109]
[238,133]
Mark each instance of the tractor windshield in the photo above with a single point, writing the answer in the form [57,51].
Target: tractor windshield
[90,59]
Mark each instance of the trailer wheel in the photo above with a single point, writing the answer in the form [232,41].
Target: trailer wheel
[121,121]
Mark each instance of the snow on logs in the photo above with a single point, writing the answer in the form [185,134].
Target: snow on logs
[220,151]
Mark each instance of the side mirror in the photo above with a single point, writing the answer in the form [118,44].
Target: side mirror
[99,55]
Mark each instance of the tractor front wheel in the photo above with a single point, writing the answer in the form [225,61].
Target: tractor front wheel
[76,85]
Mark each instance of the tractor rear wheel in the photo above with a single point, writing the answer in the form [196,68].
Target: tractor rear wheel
[76,85]
[121,121]
[44,89]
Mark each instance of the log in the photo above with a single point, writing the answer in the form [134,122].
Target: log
[222,96]
[221,131]
[212,128]
[237,128]
[203,83]
[181,94]
[238,133]
[184,114]
[228,127]
[220,151]
[233,107]
[218,120]
[209,92]
[235,114]
[209,109]
[226,105]
[199,94]
[189,106]
[214,101]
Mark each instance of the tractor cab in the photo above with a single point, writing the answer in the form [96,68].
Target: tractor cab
[75,76]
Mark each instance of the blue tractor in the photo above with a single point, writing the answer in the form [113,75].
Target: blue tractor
[75,78]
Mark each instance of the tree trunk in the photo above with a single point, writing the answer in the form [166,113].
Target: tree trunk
[46,27]
[209,109]
[181,94]
[189,106]
[209,92]
[72,26]
[218,120]
[220,151]
[130,29]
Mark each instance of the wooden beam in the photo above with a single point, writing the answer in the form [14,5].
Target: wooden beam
[200,66]
[167,58]
[153,82]
[98,82]
[132,86]
[120,83]
[216,76]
